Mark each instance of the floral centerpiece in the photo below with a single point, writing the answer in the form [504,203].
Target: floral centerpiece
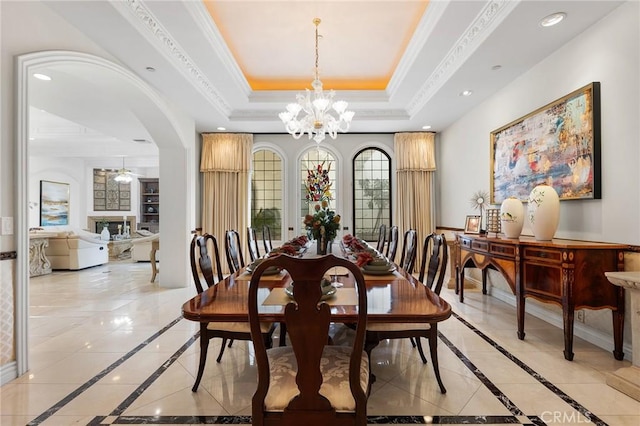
[323,225]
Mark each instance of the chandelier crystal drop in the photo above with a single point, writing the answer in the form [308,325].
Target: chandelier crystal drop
[322,115]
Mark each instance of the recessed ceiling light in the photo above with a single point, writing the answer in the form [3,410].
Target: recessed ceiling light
[553,19]
[43,77]
[466,93]
[150,69]
[426,127]
[496,67]
[222,128]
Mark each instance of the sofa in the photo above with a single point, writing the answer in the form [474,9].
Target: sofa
[74,250]
[141,246]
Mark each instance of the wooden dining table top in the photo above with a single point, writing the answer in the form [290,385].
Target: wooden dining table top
[394,297]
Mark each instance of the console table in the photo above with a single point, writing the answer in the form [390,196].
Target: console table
[120,249]
[38,262]
[562,272]
[627,379]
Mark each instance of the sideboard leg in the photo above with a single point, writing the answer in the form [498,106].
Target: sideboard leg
[567,313]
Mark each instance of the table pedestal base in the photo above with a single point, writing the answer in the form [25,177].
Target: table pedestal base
[626,380]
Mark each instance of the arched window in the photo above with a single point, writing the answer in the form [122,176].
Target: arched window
[309,163]
[371,193]
[266,193]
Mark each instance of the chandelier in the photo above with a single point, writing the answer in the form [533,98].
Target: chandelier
[124,175]
[318,119]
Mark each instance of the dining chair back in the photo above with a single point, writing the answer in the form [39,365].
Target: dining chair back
[252,243]
[434,262]
[310,382]
[233,250]
[202,248]
[266,238]
[435,255]
[392,246]
[409,250]
[382,238]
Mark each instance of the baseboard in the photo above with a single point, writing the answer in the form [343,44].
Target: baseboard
[8,372]
[591,335]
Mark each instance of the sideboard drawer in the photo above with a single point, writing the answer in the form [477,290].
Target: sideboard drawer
[543,255]
[480,245]
[503,249]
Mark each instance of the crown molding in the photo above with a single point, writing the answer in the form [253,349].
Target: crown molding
[208,27]
[490,16]
[140,17]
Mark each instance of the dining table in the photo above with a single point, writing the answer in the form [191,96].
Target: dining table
[392,297]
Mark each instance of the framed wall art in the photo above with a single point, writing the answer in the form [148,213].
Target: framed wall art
[109,195]
[54,203]
[556,145]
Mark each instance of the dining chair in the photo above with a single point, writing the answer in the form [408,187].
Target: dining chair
[233,250]
[201,265]
[266,238]
[409,250]
[310,382]
[434,264]
[382,238]
[392,246]
[252,243]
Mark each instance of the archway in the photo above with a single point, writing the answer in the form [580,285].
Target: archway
[173,133]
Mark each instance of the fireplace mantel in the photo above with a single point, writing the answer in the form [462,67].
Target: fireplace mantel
[112,220]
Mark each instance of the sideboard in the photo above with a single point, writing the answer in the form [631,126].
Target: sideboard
[562,272]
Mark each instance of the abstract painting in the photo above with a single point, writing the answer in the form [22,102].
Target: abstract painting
[54,203]
[556,145]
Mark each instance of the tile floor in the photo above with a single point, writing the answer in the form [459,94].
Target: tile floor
[108,347]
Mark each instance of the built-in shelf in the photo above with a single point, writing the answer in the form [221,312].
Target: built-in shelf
[149,204]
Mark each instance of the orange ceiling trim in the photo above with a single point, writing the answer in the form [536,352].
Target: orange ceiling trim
[327,84]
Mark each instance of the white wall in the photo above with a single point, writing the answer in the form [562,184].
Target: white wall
[79,175]
[609,53]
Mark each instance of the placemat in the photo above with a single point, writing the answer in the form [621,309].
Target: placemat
[391,276]
[343,297]
[245,276]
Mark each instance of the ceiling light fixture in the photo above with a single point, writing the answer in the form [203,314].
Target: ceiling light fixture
[466,93]
[426,127]
[124,175]
[318,119]
[553,19]
[42,77]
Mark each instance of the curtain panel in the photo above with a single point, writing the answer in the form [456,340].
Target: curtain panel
[225,164]
[416,167]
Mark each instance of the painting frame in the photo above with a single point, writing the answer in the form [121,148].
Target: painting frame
[557,145]
[472,224]
[54,203]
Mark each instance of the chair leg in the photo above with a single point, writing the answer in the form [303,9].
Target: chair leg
[230,343]
[224,344]
[420,351]
[283,334]
[413,342]
[433,348]
[204,346]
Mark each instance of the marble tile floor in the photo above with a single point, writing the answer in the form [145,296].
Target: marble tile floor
[108,347]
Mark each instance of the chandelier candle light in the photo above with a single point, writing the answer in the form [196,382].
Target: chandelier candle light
[318,119]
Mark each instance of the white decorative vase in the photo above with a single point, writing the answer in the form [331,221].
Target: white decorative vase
[105,235]
[544,212]
[512,217]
